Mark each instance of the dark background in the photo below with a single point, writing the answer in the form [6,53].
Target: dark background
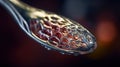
[101,17]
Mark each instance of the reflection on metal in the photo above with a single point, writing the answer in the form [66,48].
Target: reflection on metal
[51,30]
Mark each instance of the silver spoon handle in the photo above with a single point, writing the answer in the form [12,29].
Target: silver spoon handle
[11,5]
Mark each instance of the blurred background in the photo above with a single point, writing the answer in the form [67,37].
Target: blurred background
[101,17]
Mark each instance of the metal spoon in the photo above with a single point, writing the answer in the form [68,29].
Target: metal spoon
[51,30]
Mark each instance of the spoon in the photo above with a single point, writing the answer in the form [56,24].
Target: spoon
[51,30]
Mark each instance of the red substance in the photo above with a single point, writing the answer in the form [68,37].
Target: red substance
[47,31]
[42,36]
[73,44]
[47,23]
[65,40]
[35,26]
[55,36]
[58,34]
[63,44]
[63,30]
[32,22]
[55,28]
[60,46]
[76,37]
[52,40]
[69,35]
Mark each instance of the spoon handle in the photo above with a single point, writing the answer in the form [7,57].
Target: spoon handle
[11,6]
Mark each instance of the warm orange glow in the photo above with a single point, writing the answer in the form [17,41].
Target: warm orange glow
[106,31]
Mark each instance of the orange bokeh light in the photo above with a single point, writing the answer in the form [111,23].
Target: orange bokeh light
[106,31]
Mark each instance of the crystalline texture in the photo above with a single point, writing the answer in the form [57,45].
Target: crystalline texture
[70,37]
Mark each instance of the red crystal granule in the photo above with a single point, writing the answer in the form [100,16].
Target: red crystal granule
[47,31]
[65,40]
[73,44]
[42,36]
[76,37]
[47,23]
[55,28]
[58,34]
[63,44]
[69,35]
[63,30]
[52,40]
[60,46]
[35,26]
